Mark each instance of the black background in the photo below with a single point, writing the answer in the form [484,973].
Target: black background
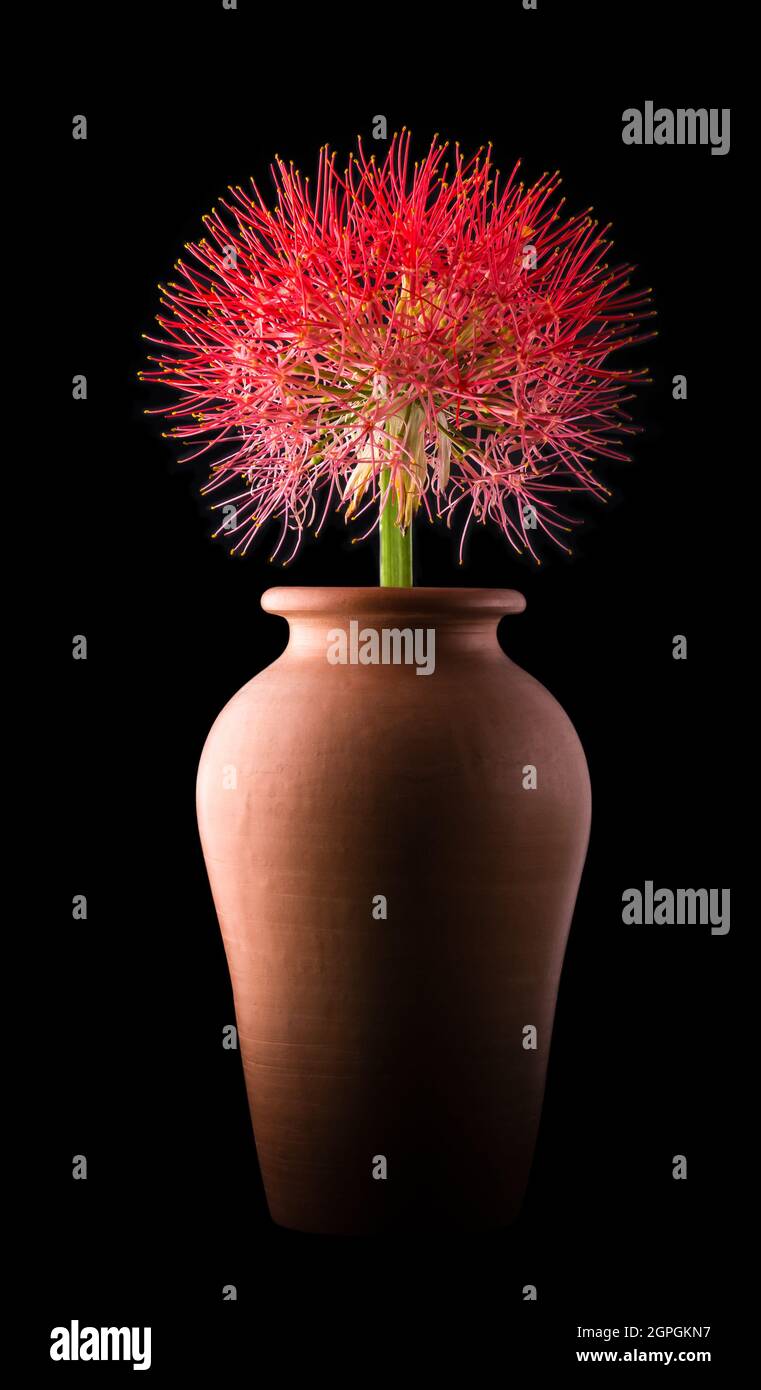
[182,100]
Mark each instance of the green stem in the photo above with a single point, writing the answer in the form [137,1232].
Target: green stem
[395,545]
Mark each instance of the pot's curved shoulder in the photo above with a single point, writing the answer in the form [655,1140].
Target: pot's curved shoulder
[534,690]
[248,694]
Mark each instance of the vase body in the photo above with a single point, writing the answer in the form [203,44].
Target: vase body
[394,895]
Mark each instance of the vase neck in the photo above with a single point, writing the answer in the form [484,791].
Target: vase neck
[408,627]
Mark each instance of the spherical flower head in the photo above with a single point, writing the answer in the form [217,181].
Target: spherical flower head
[416,336]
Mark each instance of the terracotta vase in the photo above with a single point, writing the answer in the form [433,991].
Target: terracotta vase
[394,895]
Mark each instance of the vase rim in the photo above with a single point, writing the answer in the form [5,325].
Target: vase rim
[298,600]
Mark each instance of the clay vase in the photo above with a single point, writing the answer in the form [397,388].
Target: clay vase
[395,888]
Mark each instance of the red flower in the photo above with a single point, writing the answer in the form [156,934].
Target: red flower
[449,331]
